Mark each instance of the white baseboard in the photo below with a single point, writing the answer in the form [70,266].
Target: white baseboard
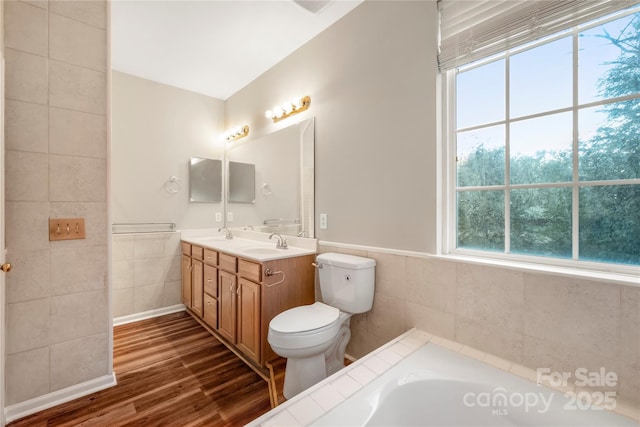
[147,314]
[22,409]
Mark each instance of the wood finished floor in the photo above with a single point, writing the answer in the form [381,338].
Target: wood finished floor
[170,372]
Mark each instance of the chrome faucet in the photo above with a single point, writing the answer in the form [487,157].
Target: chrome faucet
[303,233]
[282,243]
[227,233]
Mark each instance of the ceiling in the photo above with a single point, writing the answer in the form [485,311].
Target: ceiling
[213,47]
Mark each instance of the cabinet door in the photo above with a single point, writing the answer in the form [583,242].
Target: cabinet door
[186,280]
[197,289]
[249,318]
[227,305]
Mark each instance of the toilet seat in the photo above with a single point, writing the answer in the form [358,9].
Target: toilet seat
[304,327]
[306,318]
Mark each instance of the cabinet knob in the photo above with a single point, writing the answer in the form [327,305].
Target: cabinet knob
[6,267]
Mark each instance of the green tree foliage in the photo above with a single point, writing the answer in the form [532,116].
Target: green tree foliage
[541,219]
[610,215]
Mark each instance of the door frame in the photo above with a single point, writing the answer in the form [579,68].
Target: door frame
[3,251]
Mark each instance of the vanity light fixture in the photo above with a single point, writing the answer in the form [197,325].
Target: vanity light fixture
[295,106]
[237,133]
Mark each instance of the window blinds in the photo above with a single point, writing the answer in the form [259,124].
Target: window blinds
[475,29]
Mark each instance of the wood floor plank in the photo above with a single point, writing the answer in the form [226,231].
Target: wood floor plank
[170,372]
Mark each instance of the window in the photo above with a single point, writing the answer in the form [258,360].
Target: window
[546,141]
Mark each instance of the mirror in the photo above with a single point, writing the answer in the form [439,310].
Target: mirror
[242,182]
[284,171]
[205,180]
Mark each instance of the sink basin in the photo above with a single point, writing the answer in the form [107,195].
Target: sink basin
[260,251]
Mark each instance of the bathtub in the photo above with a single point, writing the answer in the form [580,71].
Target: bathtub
[416,380]
[435,386]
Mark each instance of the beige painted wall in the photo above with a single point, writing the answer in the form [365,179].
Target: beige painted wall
[56,166]
[372,81]
[156,130]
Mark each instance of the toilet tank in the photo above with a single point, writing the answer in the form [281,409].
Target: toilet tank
[347,282]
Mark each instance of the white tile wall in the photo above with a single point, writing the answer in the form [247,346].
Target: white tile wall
[146,272]
[25,28]
[57,292]
[79,360]
[26,76]
[27,374]
[26,126]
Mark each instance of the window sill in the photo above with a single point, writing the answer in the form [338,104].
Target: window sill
[629,279]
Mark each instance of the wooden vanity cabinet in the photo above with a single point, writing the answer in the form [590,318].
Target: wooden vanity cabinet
[186,274]
[227,309]
[192,277]
[210,288]
[238,300]
[197,285]
[248,318]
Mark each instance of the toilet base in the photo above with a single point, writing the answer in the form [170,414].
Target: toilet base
[303,372]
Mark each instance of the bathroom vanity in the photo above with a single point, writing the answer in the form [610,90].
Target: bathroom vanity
[235,287]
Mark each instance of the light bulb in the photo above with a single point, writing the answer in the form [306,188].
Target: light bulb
[287,107]
[278,112]
[297,102]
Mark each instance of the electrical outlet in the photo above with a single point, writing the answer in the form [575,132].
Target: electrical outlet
[229,216]
[218,216]
[66,229]
[323,221]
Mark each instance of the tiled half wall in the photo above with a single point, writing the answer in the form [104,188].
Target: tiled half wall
[533,319]
[146,272]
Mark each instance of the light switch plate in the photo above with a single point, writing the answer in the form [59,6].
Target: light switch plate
[66,229]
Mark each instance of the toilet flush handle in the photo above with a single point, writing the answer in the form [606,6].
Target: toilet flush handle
[316,265]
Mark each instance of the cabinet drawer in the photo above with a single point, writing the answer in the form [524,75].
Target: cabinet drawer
[186,248]
[197,252]
[227,262]
[250,270]
[211,280]
[211,257]
[211,311]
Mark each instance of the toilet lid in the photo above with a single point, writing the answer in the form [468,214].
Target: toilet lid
[305,318]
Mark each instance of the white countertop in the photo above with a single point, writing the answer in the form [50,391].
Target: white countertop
[250,244]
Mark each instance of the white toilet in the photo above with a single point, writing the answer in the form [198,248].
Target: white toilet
[314,337]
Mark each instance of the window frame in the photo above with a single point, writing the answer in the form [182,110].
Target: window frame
[447,173]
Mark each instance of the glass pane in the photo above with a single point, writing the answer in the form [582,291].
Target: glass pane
[481,220]
[480,95]
[541,78]
[541,149]
[608,60]
[541,222]
[609,138]
[480,155]
[610,224]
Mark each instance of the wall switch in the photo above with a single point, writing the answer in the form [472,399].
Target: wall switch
[229,216]
[218,216]
[323,221]
[66,229]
